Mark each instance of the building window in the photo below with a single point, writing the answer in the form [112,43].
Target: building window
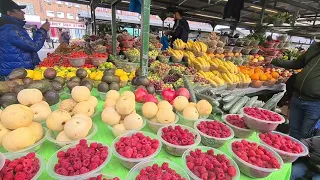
[49,1]
[59,2]
[29,9]
[50,13]
[69,15]
[60,14]
[68,4]
[77,5]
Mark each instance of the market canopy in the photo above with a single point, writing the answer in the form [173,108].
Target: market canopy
[211,11]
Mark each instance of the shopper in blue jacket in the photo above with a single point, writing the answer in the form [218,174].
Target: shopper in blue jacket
[17,48]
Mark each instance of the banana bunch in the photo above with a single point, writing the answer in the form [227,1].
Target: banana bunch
[179,44]
[200,47]
[176,53]
[188,54]
[199,63]
[215,80]
[189,45]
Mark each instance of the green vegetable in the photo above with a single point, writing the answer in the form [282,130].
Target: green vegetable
[229,105]
[273,101]
[251,101]
[228,98]
[236,108]
[189,87]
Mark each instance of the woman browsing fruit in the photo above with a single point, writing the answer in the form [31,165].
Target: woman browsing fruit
[305,103]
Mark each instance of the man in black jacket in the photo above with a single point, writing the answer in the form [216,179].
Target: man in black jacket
[181,27]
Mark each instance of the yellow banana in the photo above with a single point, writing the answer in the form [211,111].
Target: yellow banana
[226,78]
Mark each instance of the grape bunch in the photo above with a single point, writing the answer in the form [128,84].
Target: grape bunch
[165,86]
[158,85]
[179,83]
[200,80]
[178,67]
[160,68]
[191,71]
[171,78]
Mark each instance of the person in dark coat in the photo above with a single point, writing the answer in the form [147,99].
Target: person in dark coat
[17,48]
[180,28]
[65,37]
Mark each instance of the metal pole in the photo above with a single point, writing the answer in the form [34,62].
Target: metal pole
[162,27]
[114,28]
[145,28]
[263,10]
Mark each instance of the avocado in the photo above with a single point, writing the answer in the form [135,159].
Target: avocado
[27,80]
[52,97]
[11,85]
[114,86]
[141,86]
[109,71]
[57,86]
[19,88]
[72,84]
[42,85]
[142,80]
[134,81]
[116,79]
[87,83]
[60,80]
[81,73]
[50,73]
[151,89]
[3,88]
[18,81]
[107,78]
[103,87]
[8,99]
[18,73]
[75,79]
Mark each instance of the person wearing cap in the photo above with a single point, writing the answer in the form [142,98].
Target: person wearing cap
[17,48]
[181,27]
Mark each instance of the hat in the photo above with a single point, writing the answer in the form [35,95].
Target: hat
[6,5]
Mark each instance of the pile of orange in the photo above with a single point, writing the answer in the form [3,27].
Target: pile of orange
[259,74]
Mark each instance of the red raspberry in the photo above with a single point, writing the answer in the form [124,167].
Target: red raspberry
[20,176]
[214,128]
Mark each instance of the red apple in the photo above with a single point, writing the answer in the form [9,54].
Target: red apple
[150,98]
[183,92]
[168,94]
[140,94]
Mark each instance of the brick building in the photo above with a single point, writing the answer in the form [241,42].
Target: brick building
[60,14]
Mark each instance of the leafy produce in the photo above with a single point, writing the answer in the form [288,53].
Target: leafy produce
[236,120]
[163,172]
[25,167]
[81,159]
[255,154]
[207,165]
[178,136]
[136,145]
[262,114]
[214,128]
[280,142]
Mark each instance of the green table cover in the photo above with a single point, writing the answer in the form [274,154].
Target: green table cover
[114,166]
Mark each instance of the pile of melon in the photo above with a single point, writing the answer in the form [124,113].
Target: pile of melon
[80,103]
[120,112]
[18,130]
[161,113]
[190,110]
[69,128]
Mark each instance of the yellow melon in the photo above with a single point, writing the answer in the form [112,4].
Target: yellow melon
[133,121]
[191,113]
[80,93]
[204,108]
[110,116]
[149,110]
[180,102]
[125,105]
[164,105]
[165,116]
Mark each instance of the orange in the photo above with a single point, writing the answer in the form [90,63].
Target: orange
[269,76]
[254,76]
[250,72]
[275,75]
[258,70]
[263,77]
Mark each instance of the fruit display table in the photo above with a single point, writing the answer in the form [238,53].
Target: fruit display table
[114,166]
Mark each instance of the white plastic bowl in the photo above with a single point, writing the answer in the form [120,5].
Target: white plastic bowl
[130,162]
[117,132]
[102,95]
[2,160]
[177,150]
[77,62]
[154,126]
[287,157]
[238,132]
[211,141]
[36,146]
[134,172]
[110,176]
[188,122]
[42,162]
[51,136]
[205,149]
[259,124]
[250,169]
[54,160]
